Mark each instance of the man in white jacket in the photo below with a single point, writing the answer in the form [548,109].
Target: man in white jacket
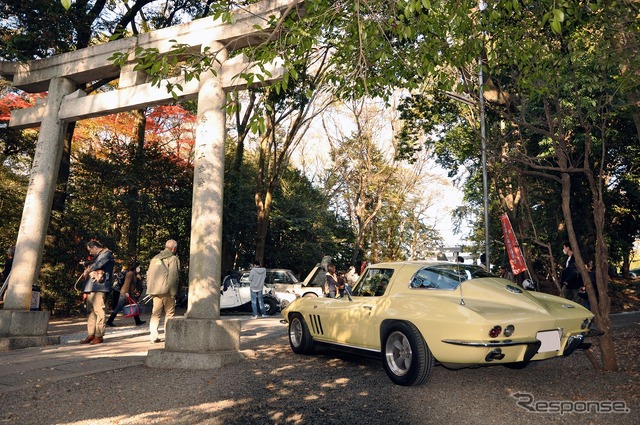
[257,276]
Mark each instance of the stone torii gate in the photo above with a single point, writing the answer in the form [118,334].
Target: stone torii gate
[199,340]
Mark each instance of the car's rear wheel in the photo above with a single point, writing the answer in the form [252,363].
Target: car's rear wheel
[299,336]
[310,294]
[271,306]
[406,357]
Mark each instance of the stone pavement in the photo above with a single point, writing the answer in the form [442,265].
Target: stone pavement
[125,346]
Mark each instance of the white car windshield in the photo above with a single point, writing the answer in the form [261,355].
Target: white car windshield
[446,276]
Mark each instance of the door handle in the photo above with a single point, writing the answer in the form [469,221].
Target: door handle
[367,307]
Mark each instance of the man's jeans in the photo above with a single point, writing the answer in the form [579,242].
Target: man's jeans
[260,298]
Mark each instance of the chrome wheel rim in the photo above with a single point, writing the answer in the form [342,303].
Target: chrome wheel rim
[398,353]
[295,332]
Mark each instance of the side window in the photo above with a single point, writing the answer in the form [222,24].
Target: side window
[269,277]
[374,283]
[448,276]
[279,277]
[425,278]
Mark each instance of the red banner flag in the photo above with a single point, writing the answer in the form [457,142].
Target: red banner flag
[513,249]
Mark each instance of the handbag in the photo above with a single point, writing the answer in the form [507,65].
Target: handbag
[132,309]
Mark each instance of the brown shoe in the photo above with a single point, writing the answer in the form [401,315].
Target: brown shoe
[97,340]
[88,339]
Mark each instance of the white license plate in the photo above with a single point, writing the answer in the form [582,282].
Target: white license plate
[550,341]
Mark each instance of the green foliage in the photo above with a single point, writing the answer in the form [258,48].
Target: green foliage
[16,153]
[566,87]
[303,229]
[180,60]
[13,189]
[441,123]
[239,214]
[34,29]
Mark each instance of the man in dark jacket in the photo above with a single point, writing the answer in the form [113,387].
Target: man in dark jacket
[7,264]
[98,277]
[162,284]
[4,276]
[570,277]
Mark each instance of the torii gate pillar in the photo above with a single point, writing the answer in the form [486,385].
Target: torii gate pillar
[199,340]
[20,327]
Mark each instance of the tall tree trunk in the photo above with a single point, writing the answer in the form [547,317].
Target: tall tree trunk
[263,206]
[133,192]
[357,246]
[601,313]
[263,190]
[242,127]
[60,195]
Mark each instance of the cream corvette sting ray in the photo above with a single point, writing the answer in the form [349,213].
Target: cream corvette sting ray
[414,314]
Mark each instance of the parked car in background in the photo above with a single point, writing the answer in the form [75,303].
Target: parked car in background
[237,297]
[414,314]
[283,281]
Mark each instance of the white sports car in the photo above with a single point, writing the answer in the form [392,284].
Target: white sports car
[414,314]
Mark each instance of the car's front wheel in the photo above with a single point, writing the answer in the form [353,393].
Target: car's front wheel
[299,336]
[406,356]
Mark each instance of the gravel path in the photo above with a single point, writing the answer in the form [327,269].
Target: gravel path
[279,387]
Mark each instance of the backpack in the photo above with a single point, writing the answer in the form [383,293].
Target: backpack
[157,275]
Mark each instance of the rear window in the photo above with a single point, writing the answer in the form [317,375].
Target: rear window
[280,276]
[446,276]
[273,277]
[374,283]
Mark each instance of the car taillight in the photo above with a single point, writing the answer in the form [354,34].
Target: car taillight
[509,330]
[495,331]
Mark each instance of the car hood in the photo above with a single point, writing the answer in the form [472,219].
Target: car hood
[496,297]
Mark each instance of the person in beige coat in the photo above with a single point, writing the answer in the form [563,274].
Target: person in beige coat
[162,284]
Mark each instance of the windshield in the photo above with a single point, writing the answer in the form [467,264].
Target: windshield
[446,276]
[373,283]
[280,276]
